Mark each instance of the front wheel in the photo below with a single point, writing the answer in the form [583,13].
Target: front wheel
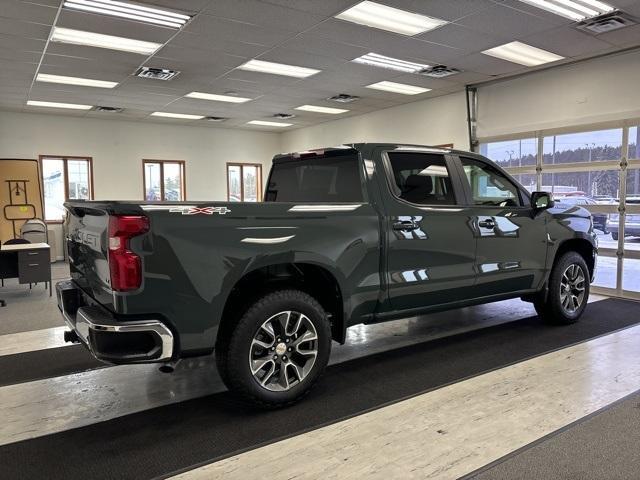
[278,349]
[568,291]
[614,236]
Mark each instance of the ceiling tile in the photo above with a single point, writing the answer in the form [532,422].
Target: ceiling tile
[323,7]
[267,15]
[29,11]
[625,37]
[212,29]
[462,38]
[568,42]
[506,22]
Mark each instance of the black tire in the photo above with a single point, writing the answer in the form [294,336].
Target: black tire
[614,235]
[233,353]
[551,309]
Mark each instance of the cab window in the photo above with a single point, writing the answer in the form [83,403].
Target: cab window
[421,178]
[489,186]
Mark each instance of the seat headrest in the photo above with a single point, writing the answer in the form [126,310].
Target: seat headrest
[423,182]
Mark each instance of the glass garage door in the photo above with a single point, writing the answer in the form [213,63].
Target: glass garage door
[598,169]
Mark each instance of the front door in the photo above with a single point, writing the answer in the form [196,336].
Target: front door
[430,241]
[511,235]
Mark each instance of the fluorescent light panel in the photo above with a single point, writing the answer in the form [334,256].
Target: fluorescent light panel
[398,88]
[278,69]
[375,15]
[318,109]
[577,10]
[85,82]
[390,63]
[129,11]
[90,39]
[523,54]
[71,106]
[217,98]
[264,123]
[183,116]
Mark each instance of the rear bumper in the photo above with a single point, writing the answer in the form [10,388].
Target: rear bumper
[111,340]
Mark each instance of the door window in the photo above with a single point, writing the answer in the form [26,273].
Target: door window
[489,186]
[422,178]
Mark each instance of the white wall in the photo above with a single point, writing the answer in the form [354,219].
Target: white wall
[434,121]
[118,147]
[590,92]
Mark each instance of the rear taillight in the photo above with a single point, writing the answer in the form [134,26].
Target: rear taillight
[125,266]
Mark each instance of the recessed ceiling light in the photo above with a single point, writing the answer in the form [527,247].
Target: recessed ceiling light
[523,54]
[315,108]
[85,82]
[398,88]
[577,10]
[72,106]
[129,11]
[183,116]
[278,69]
[90,39]
[390,63]
[391,19]
[269,124]
[217,98]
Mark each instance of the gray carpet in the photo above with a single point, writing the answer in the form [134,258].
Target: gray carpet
[604,446]
[33,309]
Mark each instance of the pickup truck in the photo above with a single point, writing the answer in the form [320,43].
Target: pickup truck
[349,235]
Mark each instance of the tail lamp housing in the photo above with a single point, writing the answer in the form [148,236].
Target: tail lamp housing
[125,266]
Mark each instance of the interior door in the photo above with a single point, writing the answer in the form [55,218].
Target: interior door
[511,235]
[430,241]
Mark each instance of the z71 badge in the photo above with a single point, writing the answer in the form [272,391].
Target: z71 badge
[200,210]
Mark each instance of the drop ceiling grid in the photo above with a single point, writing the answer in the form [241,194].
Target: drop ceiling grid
[226,33]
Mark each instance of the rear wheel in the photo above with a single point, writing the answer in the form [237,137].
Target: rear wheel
[614,235]
[278,349]
[568,291]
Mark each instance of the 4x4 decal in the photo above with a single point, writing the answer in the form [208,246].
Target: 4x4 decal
[200,210]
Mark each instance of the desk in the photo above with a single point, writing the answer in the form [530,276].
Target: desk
[34,262]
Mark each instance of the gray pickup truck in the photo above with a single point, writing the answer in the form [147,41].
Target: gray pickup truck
[349,235]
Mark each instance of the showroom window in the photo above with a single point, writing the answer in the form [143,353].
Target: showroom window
[598,169]
[422,178]
[64,178]
[244,182]
[164,180]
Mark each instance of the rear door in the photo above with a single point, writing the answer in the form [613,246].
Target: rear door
[511,235]
[430,241]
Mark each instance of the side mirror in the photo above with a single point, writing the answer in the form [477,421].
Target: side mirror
[542,200]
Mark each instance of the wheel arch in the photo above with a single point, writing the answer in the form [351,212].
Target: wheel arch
[314,279]
[585,248]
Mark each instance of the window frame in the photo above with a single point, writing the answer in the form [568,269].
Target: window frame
[454,175]
[524,195]
[183,179]
[259,194]
[65,172]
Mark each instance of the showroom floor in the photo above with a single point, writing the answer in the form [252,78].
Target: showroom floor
[399,400]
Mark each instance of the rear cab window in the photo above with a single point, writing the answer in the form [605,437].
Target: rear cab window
[332,177]
[421,178]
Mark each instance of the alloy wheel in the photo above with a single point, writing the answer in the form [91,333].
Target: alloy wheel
[283,351]
[572,288]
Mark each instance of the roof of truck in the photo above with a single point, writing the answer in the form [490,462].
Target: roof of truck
[364,146]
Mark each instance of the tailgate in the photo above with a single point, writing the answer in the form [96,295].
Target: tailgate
[87,247]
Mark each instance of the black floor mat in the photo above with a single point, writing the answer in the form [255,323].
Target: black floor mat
[159,441]
[39,364]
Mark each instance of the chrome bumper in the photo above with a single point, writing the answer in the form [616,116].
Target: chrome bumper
[93,323]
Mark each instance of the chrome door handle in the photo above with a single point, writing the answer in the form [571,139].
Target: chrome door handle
[489,223]
[405,225]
